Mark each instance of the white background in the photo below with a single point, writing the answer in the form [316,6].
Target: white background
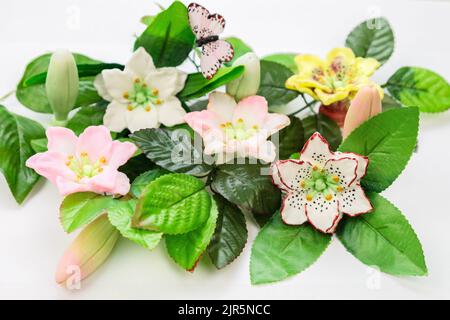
[32,241]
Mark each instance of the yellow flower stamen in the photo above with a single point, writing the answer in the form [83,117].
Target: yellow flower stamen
[340,188]
[148,108]
[335,179]
[102,160]
[309,197]
[126,95]
[328,197]
[130,107]
[155,92]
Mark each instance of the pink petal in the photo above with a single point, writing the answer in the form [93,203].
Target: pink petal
[104,182]
[121,152]
[345,169]
[50,165]
[223,105]
[264,150]
[274,122]
[353,201]
[316,150]
[292,172]
[322,214]
[61,140]
[96,142]
[252,110]
[122,186]
[67,186]
[203,121]
[293,209]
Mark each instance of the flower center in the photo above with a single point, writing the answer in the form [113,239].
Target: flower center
[83,167]
[142,96]
[239,131]
[321,182]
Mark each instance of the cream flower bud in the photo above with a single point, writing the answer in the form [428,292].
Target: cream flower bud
[248,84]
[88,251]
[62,84]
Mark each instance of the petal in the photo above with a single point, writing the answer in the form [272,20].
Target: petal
[140,63]
[121,152]
[252,110]
[353,201]
[96,142]
[223,105]
[307,64]
[168,81]
[274,122]
[344,168]
[171,113]
[139,118]
[104,182]
[50,165]
[115,118]
[61,140]
[99,84]
[122,184]
[291,173]
[118,83]
[363,162]
[66,187]
[343,55]
[329,98]
[293,209]
[367,66]
[359,110]
[316,150]
[322,214]
[203,121]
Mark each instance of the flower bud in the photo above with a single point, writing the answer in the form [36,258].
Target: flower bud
[248,84]
[88,251]
[365,105]
[62,84]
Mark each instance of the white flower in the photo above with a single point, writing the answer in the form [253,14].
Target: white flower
[321,186]
[141,96]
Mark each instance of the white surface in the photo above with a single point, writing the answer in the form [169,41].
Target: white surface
[32,241]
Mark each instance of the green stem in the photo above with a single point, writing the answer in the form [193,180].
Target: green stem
[192,59]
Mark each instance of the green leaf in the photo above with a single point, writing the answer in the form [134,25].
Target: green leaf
[136,166]
[39,145]
[120,214]
[147,20]
[169,38]
[388,139]
[86,117]
[285,59]
[273,79]
[372,39]
[80,209]
[419,87]
[197,85]
[187,249]
[240,48]
[230,236]
[325,126]
[291,138]
[16,134]
[389,103]
[143,180]
[249,186]
[173,204]
[281,251]
[172,150]
[34,97]
[384,238]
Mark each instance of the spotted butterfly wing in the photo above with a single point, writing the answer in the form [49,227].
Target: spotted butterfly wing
[207,28]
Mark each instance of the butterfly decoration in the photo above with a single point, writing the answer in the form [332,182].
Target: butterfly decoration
[207,27]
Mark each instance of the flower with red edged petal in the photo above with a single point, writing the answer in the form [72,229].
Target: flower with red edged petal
[321,186]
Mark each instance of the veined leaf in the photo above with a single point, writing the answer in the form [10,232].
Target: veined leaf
[142,181]
[286,59]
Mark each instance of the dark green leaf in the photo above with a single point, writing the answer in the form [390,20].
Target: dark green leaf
[142,181]
[388,139]
[273,79]
[136,166]
[16,134]
[286,59]
[372,39]
[86,117]
[291,138]
[230,236]
[389,103]
[384,238]
[199,105]
[281,251]
[169,38]
[325,126]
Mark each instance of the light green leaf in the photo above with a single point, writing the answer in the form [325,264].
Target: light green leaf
[325,126]
[240,48]
[384,238]
[286,59]
[39,145]
[281,251]
[16,135]
[230,236]
[372,39]
[291,138]
[80,209]
[173,204]
[120,214]
[169,38]
[142,181]
[187,249]
[419,87]
[388,139]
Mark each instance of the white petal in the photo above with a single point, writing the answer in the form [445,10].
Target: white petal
[223,105]
[292,172]
[115,117]
[322,214]
[140,63]
[171,112]
[99,84]
[316,150]
[345,169]
[262,149]
[118,83]
[139,119]
[168,81]
[293,209]
[353,201]
[363,162]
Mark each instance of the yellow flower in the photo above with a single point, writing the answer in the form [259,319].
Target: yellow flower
[336,78]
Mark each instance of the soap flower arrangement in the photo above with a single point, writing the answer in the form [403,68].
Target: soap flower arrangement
[154,153]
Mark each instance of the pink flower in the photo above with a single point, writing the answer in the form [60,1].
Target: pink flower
[86,164]
[229,128]
[321,186]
